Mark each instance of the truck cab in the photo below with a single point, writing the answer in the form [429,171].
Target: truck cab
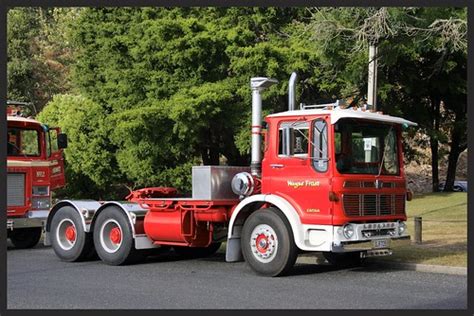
[341,169]
[35,167]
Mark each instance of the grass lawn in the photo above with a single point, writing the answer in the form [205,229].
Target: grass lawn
[444,217]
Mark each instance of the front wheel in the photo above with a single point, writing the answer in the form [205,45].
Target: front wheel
[25,238]
[267,243]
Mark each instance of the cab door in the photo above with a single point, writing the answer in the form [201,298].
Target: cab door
[57,173]
[300,170]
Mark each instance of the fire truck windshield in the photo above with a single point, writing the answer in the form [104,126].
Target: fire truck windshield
[366,148]
[23,142]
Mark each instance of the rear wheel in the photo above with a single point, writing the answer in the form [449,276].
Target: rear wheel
[198,252]
[24,238]
[267,243]
[348,259]
[113,238]
[69,240]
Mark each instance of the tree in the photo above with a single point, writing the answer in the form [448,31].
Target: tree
[422,58]
[174,83]
[38,53]
[90,163]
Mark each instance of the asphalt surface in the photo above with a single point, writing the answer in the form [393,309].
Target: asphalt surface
[37,279]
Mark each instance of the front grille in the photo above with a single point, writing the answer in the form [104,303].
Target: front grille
[371,184]
[16,189]
[373,204]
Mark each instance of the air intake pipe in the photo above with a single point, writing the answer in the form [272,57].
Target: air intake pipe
[292,91]
[258,84]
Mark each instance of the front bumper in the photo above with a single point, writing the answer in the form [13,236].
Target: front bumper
[375,238]
[371,245]
[33,219]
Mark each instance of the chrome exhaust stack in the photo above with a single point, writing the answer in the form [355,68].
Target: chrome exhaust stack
[292,92]
[258,84]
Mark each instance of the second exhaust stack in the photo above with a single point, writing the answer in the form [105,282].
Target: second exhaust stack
[292,92]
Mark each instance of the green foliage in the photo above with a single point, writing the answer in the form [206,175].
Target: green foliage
[152,91]
[175,83]
[38,53]
[89,153]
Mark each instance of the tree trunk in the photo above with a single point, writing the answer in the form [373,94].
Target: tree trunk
[458,145]
[435,105]
[210,151]
[434,163]
[231,152]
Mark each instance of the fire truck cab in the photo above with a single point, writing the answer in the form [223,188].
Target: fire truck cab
[35,167]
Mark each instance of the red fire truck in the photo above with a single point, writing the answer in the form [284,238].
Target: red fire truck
[331,181]
[35,167]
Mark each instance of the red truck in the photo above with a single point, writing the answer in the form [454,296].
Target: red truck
[331,181]
[35,167]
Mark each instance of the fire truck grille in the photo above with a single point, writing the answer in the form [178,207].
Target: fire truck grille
[16,189]
[373,204]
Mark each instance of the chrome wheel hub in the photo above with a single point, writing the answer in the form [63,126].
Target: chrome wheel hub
[264,243]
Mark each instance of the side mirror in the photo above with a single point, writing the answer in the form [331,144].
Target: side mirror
[288,141]
[62,140]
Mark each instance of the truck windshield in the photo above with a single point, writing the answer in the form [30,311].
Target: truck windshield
[23,142]
[366,148]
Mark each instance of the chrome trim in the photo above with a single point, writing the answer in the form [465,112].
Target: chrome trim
[143,242]
[292,91]
[369,244]
[43,214]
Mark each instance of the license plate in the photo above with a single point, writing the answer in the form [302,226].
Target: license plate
[382,243]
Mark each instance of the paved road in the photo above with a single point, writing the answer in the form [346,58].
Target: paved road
[37,279]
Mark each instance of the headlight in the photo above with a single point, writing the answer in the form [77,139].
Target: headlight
[40,203]
[348,231]
[402,227]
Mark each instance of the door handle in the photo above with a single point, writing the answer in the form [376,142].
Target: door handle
[276,166]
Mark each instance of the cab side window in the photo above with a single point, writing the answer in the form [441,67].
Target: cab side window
[293,139]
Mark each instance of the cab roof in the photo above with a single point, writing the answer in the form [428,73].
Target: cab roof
[338,113]
[21,119]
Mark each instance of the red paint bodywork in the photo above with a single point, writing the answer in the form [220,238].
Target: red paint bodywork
[188,222]
[41,170]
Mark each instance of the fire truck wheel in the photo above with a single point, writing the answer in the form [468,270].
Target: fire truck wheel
[113,238]
[197,252]
[69,240]
[25,237]
[349,259]
[267,243]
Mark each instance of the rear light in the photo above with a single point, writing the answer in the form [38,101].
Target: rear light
[40,203]
[40,190]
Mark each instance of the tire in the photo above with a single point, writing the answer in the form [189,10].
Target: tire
[348,259]
[25,238]
[69,240]
[113,238]
[267,243]
[197,252]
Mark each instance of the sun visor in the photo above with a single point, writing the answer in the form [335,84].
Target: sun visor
[338,114]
